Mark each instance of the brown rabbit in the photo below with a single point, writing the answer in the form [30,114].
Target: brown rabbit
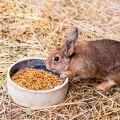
[87,59]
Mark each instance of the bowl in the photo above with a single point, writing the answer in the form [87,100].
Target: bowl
[35,99]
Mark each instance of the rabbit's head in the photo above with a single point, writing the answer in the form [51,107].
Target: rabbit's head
[59,59]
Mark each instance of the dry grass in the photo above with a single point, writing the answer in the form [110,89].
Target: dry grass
[33,29]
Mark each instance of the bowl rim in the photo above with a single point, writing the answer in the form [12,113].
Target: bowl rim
[33,91]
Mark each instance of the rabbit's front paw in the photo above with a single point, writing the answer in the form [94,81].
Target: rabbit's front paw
[63,75]
[66,74]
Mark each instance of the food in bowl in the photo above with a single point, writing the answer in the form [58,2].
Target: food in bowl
[36,79]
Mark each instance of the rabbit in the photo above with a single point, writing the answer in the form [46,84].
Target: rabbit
[87,59]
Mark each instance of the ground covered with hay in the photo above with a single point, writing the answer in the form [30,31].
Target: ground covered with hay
[32,29]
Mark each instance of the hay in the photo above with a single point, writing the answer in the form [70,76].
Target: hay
[32,29]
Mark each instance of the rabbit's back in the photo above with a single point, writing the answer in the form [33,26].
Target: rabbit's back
[105,54]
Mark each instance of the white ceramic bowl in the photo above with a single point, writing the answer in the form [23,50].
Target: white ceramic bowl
[34,99]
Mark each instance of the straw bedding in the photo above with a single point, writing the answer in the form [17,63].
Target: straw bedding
[33,28]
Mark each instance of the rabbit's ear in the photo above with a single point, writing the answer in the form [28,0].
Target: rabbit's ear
[71,38]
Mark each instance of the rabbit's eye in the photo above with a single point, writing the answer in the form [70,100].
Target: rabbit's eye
[56,58]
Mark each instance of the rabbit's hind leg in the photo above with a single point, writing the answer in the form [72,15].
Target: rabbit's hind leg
[111,79]
[106,85]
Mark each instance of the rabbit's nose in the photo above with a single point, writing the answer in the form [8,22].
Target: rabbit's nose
[45,62]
